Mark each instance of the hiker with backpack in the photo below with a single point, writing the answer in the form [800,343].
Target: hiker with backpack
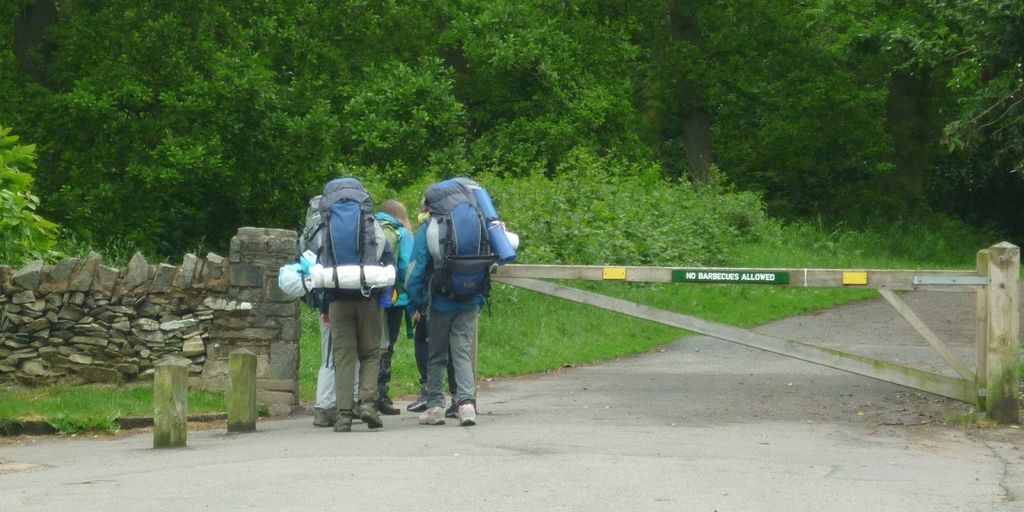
[394,219]
[448,279]
[422,350]
[311,241]
[353,255]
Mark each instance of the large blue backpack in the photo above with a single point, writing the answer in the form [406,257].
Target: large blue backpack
[353,236]
[458,241]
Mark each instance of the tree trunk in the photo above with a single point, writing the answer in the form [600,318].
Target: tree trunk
[912,130]
[695,120]
[29,31]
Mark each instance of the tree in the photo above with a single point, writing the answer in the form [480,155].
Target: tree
[24,234]
[542,79]
[975,54]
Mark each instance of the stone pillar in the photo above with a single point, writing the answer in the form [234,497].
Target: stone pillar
[270,327]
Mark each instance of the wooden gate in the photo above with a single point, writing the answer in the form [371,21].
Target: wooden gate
[992,385]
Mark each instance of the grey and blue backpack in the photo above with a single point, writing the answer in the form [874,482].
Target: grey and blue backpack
[457,239]
[341,230]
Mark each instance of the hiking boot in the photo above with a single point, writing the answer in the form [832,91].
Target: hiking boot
[324,417]
[467,414]
[387,407]
[432,416]
[452,411]
[343,421]
[368,413]
[419,405]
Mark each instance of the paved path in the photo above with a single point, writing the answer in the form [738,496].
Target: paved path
[703,425]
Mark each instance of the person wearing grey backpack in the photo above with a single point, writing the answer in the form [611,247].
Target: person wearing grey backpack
[448,281]
[350,242]
[325,412]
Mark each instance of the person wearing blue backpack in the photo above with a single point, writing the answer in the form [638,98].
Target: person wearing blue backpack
[453,255]
[355,246]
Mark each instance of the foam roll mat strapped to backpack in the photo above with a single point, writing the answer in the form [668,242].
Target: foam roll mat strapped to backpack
[503,248]
[351,277]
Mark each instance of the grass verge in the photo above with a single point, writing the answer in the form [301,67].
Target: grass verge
[92,408]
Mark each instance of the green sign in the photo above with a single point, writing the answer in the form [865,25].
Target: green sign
[711,275]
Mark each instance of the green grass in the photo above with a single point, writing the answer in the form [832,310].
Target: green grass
[73,409]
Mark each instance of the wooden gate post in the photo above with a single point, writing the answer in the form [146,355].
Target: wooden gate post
[1003,333]
[242,391]
[170,403]
[981,333]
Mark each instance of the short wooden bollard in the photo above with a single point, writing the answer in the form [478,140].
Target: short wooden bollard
[242,394]
[170,403]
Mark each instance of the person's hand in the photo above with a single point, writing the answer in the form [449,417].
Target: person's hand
[325,318]
[416,317]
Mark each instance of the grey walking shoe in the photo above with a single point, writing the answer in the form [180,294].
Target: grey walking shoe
[343,423]
[467,414]
[432,416]
[324,417]
[368,413]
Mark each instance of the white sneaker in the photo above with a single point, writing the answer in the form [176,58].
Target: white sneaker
[467,415]
[432,416]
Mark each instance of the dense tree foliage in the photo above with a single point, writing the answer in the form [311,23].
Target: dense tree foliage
[171,123]
[23,233]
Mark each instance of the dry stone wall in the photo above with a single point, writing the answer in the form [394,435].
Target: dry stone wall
[81,321]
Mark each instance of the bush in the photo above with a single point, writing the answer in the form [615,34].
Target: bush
[24,235]
[603,211]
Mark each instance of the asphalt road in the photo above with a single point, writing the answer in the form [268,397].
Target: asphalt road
[702,425]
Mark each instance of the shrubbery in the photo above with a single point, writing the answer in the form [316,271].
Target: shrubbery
[601,211]
[23,233]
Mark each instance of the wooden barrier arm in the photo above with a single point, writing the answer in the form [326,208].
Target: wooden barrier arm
[931,280]
[951,387]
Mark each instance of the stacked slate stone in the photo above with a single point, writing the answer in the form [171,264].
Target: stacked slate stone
[81,321]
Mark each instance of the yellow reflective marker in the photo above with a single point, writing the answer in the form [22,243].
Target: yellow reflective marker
[855,278]
[614,273]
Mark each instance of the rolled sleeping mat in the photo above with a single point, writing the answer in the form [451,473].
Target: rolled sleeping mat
[501,246]
[351,277]
[483,201]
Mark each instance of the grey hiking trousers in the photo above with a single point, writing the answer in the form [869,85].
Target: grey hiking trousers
[457,331]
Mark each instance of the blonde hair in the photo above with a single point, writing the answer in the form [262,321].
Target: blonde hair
[398,211]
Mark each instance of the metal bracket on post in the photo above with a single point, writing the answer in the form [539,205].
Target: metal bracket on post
[950,280]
